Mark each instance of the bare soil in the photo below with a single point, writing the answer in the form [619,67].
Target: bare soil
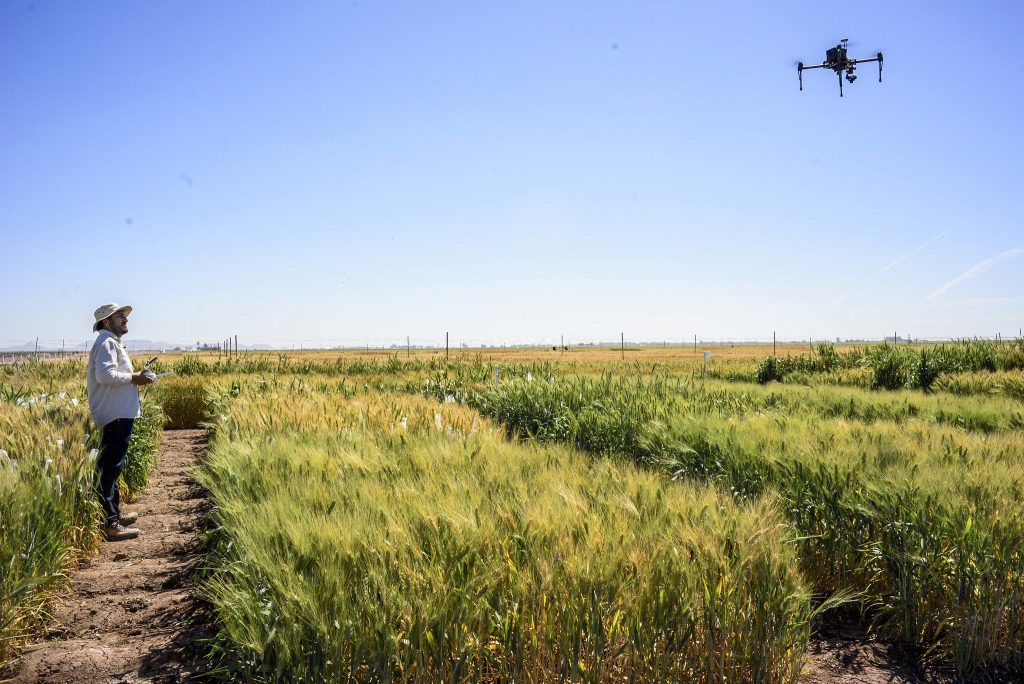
[841,652]
[131,616]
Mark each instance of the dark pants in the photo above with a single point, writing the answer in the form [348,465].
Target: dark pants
[116,436]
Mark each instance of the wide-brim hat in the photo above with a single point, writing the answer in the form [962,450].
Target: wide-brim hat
[106,311]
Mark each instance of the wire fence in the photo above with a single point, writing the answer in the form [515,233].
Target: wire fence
[452,342]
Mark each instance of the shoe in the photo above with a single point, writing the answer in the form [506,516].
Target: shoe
[128,518]
[118,532]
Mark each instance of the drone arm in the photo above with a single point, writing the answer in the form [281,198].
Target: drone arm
[877,58]
[800,71]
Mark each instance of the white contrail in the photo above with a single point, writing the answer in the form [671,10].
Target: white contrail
[886,268]
[977,270]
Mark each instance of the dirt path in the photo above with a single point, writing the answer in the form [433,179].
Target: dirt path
[130,616]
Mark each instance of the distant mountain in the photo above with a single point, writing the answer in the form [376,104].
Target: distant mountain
[79,345]
[27,347]
[132,344]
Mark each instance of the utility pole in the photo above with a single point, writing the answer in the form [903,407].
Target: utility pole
[774,353]
[236,345]
[408,349]
[446,346]
[622,345]
[695,344]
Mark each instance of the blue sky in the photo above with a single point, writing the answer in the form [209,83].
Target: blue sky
[326,172]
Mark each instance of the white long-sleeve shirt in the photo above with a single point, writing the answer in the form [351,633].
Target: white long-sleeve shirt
[109,381]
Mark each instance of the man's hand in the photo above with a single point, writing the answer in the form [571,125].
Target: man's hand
[143,378]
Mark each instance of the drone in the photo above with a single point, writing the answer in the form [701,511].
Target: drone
[837,61]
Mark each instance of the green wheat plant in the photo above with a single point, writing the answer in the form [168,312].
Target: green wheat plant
[395,538]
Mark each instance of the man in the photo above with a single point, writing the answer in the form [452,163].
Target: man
[114,403]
